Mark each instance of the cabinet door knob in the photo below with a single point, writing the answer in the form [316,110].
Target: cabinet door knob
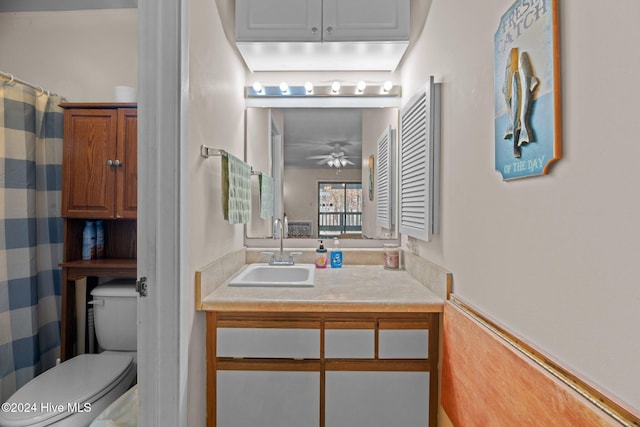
[117,163]
[314,30]
[329,30]
[109,163]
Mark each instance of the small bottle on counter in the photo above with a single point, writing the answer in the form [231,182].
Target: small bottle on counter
[321,256]
[336,254]
[391,256]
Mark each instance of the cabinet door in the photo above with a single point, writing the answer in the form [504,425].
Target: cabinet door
[267,399]
[365,20]
[127,157]
[278,20]
[89,143]
[376,399]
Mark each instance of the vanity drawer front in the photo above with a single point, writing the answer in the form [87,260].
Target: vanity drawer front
[403,339]
[349,339]
[269,342]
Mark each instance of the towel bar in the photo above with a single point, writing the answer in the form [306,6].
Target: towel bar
[207,152]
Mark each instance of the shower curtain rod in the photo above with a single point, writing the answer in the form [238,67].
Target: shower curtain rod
[37,87]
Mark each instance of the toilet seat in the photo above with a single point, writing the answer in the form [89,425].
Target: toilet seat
[79,381]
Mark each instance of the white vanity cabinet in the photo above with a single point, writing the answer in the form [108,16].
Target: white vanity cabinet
[322,369]
[321,20]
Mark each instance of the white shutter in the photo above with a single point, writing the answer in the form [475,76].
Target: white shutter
[419,158]
[384,180]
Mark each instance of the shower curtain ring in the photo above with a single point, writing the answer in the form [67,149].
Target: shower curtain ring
[12,79]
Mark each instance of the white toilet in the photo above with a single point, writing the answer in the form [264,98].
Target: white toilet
[76,391]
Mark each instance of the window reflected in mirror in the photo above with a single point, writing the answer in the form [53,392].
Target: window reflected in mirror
[320,160]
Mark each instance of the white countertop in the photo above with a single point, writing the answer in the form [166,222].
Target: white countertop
[353,288]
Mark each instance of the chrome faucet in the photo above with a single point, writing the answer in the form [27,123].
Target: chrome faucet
[279,259]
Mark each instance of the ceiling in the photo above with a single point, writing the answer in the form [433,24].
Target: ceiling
[321,131]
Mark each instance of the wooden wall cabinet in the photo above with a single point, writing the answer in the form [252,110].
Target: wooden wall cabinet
[99,181]
[99,161]
[322,369]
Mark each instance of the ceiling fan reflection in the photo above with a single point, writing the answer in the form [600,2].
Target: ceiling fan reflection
[337,160]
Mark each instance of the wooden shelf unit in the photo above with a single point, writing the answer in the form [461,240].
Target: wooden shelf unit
[96,135]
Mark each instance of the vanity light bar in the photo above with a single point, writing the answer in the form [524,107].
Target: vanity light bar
[309,90]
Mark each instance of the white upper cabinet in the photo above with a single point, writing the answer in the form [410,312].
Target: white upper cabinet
[365,20]
[321,20]
[317,35]
[278,20]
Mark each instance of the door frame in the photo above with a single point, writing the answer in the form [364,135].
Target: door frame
[162,250]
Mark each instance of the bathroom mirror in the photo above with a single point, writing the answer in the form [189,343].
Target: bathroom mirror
[323,164]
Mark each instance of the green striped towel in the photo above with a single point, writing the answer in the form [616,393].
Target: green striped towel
[266,196]
[236,190]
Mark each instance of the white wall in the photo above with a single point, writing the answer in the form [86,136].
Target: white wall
[216,119]
[552,258]
[258,155]
[80,55]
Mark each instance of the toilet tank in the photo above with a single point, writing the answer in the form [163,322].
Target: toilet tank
[115,315]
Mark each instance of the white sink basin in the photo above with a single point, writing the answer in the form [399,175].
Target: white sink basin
[298,275]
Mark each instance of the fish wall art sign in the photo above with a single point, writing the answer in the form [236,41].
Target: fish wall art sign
[527,91]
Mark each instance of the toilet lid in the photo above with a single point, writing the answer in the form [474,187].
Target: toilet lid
[66,388]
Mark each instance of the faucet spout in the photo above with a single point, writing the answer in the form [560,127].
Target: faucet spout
[277,223]
[279,259]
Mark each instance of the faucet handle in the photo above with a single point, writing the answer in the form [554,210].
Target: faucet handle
[292,254]
[271,254]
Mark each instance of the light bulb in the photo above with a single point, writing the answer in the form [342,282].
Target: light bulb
[335,87]
[330,163]
[387,86]
[343,162]
[257,86]
[308,86]
[284,87]
[361,86]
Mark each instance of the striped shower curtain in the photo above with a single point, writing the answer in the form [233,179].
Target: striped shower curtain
[31,126]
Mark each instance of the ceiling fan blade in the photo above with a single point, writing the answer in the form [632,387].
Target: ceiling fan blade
[325,156]
[323,161]
[349,162]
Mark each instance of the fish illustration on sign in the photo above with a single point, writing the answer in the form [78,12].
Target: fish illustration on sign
[508,92]
[528,83]
[519,85]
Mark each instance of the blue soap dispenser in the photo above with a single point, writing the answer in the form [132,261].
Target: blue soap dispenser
[336,254]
